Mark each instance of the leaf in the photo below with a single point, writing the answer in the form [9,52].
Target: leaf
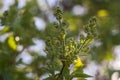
[79,75]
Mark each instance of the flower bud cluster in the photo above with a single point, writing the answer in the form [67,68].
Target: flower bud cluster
[64,48]
[90,28]
[58,13]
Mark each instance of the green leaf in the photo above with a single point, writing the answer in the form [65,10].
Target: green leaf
[80,75]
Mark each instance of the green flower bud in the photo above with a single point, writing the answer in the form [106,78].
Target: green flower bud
[58,13]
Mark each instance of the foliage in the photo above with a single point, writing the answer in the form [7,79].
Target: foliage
[62,48]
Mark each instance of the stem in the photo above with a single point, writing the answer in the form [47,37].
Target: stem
[59,23]
[61,71]
[63,49]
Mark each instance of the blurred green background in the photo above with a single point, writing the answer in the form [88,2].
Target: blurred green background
[28,19]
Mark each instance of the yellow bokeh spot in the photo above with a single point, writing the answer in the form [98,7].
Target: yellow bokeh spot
[11,42]
[72,25]
[109,56]
[77,63]
[102,13]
